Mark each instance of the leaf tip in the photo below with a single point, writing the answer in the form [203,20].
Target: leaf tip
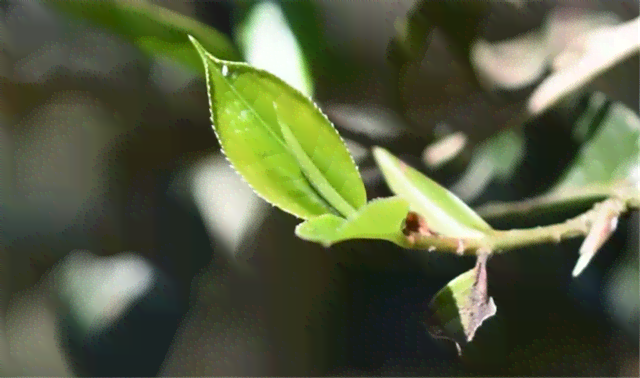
[582,263]
[601,230]
[204,54]
[195,43]
[302,231]
[379,153]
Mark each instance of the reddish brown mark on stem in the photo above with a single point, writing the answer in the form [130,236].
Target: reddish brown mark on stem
[414,223]
[415,226]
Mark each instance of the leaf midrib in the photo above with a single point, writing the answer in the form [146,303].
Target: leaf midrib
[330,208]
[282,143]
[246,104]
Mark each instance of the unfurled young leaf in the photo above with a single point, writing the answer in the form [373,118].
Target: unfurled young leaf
[249,109]
[603,226]
[444,213]
[379,219]
[599,234]
[459,309]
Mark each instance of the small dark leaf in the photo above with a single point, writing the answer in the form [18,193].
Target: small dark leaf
[458,310]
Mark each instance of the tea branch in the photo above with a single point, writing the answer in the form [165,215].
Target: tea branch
[570,197]
[597,224]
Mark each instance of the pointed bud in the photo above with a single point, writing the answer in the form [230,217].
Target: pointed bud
[604,226]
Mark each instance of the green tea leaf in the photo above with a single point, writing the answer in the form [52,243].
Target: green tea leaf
[313,174]
[154,29]
[380,219]
[460,308]
[445,213]
[612,154]
[248,109]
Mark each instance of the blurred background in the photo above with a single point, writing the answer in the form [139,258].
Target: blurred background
[130,247]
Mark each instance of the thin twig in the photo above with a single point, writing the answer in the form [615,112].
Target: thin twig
[575,196]
[500,241]
[574,227]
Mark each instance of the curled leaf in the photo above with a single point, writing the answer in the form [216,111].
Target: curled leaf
[380,219]
[249,108]
[460,308]
[444,213]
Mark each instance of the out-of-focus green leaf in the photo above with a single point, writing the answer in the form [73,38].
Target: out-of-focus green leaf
[154,29]
[505,150]
[268,43]
[460,308]
[306,20]
[496,158]
[380,219]
[612,154]
[248,109]
[445,213]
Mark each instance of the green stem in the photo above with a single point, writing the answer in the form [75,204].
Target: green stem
[565,198]
[518,238]
[499,241]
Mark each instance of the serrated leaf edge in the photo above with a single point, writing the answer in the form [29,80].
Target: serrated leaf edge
[205,54]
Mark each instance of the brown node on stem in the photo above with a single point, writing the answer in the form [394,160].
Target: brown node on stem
[414,226]
[414,223]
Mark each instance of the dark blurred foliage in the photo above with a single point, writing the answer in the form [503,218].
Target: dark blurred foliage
[358,307]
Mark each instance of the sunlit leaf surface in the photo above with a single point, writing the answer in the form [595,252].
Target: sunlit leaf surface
[380,219]
[249,108]
[445,213]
